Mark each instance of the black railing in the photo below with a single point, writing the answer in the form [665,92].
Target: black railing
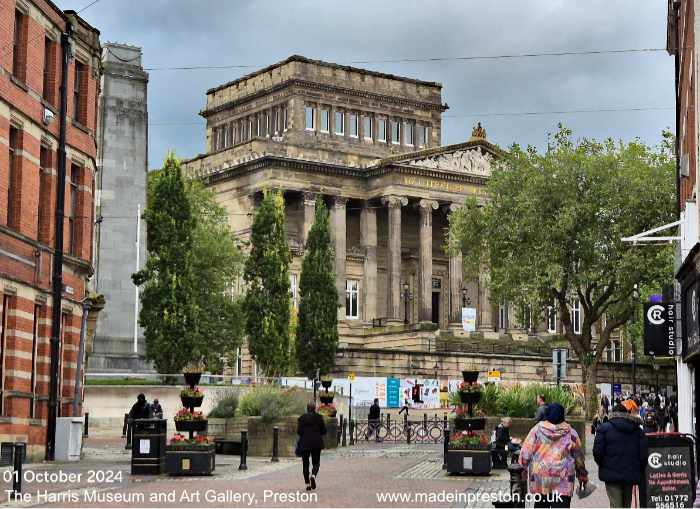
[425,431]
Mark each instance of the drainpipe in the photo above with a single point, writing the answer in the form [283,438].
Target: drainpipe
[81,356]
[57,273]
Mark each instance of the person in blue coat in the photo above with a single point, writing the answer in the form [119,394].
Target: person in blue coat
[620,450]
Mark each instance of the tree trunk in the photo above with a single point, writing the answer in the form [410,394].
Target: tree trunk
[590,379]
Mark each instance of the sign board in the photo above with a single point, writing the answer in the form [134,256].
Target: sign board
[469,319]
[351,377]
[669,479]
[393,392]
[559,362]
[660,329]
[617,390]
[691,335]
[494,375]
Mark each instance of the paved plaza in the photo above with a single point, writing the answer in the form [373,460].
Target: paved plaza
[365,475]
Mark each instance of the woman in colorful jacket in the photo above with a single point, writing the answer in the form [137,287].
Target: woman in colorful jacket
[554,457]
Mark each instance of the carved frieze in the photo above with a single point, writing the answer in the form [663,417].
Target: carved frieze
[472,161]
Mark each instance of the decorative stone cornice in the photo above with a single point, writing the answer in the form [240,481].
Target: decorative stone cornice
[393,201]
[324,87]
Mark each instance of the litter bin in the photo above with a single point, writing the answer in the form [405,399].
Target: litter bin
[69,438]
[148,446]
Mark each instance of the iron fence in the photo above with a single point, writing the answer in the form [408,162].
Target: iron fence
[425,431]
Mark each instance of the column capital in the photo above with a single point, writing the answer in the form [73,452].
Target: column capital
[309,197]
[393,201]
[339,202]
[426,205]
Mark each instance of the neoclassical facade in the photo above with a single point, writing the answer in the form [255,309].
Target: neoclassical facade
[369,144]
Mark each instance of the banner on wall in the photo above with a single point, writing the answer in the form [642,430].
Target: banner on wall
[469,319]
[393,392]
[427,390]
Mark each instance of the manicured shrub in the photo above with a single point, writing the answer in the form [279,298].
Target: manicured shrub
[225,406]
[272,402]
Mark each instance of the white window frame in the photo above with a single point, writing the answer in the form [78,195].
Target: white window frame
[395,124]
[354,125]
[352,290]
[367,120]
[285,117]
[267,124]
[339,115]
[381,130]
[409,134]
[552,319]
[325,115]
[576,315]
[309,110]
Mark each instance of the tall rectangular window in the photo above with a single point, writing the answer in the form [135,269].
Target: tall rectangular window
[408,133]
[325,121]
[257,125]
[425,134]
[44,207]
[250,128]
[395,132]
[422,135]
[613,352]
[381,130]
[19,46]
[340,123]
[80,92]
[310,118]
[367,126]
[285,117]
[73,240]
[351,299]
[267,123]
[352,120]
[503,315]
[552,319]
[35,346]
[49,70]
[276,121]
[4,322]
[576,316]
[13,188]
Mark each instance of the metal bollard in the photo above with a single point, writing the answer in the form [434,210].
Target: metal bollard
[85,427]
[352,432]
[518,484]
[407,428]
[425,421]
[17,456]
[275,444]
[344,425]
[446,444]
[244,450]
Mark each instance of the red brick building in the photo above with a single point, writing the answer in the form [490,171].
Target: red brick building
[31,55]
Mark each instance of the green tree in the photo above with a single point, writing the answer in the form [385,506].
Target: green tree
[551,232]
[267,299]
[317,329]
[188,311]
[167,307]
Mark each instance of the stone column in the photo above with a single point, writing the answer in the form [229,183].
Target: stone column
[455,271]
[338,234]
[393,270]
[368,243]
[425,256]
[485,311]
[308,202]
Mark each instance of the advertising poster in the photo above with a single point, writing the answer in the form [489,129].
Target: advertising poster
[393,392]
[669,478]
[469,319]
[429,390]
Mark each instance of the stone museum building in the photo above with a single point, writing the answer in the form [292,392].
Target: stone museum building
[38,37]
[369,144]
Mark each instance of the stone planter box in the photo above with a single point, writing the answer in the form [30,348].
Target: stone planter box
[190,460]
[226,428]
[521,426]
[474,462]
[260,435]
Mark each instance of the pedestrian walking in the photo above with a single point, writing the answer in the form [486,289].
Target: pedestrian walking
[650,425]
[310,429]
[554,458]
[156,409]
[373,420]
[141,409]
[541,408]
[605,403]
[599,418]
[620,450]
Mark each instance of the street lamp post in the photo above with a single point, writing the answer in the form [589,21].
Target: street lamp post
[407,297]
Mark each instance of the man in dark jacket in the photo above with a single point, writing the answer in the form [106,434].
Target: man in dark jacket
[311,429]
[620,450]
[541,411]
[141,409]
[373,418]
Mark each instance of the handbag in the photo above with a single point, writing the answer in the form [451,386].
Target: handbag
[297,448]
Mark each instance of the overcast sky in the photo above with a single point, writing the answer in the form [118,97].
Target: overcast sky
[258,33]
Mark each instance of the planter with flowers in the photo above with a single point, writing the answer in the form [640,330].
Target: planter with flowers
[468,447]
[195,454]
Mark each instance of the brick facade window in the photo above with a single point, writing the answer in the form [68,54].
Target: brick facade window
[80,85]
[74,212]
[4,326]
[13,184]
[45,184]
[19,46]
[49,71]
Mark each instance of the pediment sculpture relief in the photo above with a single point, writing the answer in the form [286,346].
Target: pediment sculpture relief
[476,162]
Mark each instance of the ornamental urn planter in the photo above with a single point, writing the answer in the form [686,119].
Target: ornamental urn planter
[469,398]
[198,425]
[470,376]
[326,398]
[470,423]
[326,383]
[192,379]
[191,402]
